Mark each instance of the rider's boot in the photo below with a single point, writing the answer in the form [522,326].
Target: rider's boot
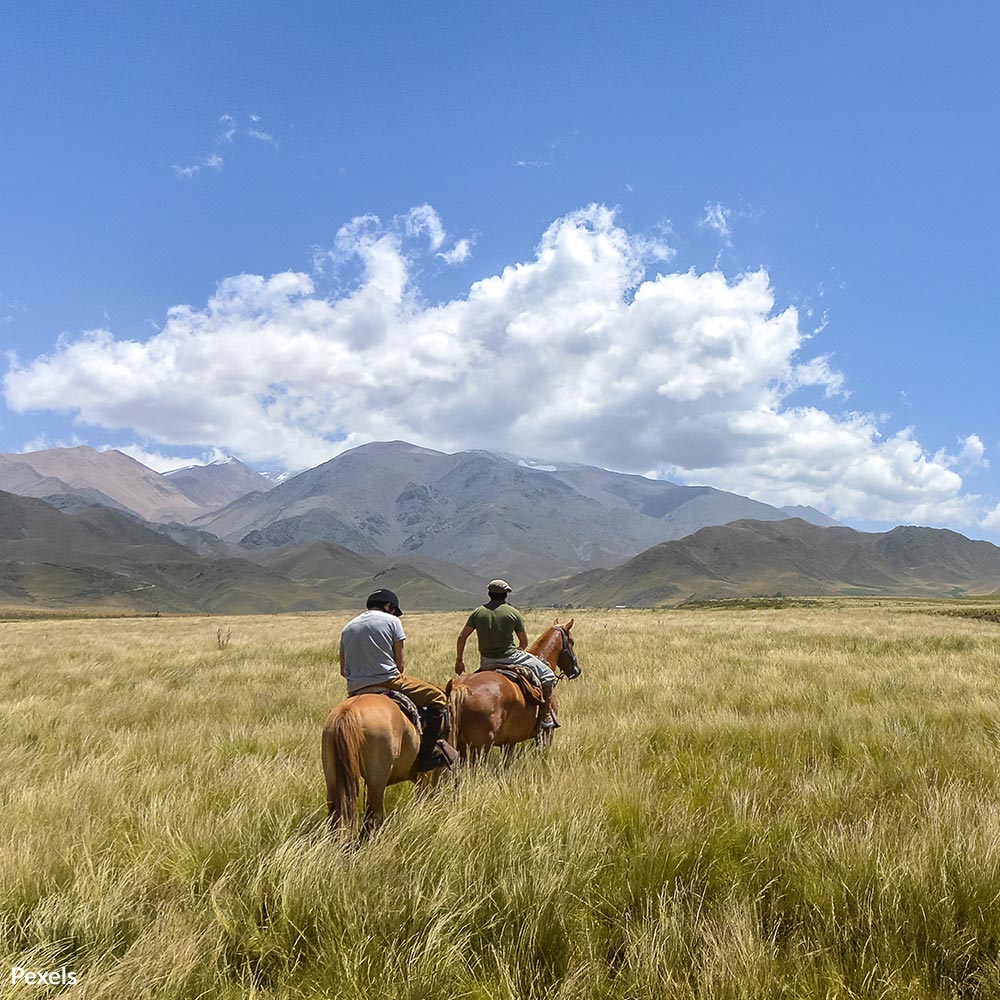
[547,721]
[435,751]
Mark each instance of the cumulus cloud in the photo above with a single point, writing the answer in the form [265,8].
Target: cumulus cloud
[577,353]
[991,521]
[972,454]
[365,237]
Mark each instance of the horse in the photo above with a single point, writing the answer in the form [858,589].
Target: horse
[488,710]
[368,736]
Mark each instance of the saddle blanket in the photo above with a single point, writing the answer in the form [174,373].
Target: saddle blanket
[522,676]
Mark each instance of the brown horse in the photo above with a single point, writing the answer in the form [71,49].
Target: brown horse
[488,710]
[367,736]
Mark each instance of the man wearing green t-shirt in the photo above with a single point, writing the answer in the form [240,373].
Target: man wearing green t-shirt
[496,623]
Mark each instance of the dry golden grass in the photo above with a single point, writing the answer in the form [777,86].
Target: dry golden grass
[741,804]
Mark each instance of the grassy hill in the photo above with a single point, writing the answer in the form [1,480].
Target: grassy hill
[424,583]
[790,557]
[96,557]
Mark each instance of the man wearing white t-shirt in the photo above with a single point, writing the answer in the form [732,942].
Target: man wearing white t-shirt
[371,657]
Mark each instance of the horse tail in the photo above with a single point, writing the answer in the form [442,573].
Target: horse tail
[457,694]
[342,765]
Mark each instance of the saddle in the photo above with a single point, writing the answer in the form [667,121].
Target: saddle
[522,676]
[406,705]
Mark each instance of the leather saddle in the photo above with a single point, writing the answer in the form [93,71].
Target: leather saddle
[522,676]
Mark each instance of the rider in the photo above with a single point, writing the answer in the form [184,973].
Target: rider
[496,623]
[371,658]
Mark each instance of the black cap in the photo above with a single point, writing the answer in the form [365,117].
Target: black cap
[383,596]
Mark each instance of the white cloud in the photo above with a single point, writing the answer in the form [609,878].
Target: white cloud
[717,218]
[366,239]
[574,354]
[214,161]
[42,442]
[818,372]
[459,253]
[991,521]
[229,131]
[158,461]
[841,465]
[261,136]
[9,310]
[423,219]
[973,453]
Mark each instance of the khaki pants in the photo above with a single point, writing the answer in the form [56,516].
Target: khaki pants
[422,693]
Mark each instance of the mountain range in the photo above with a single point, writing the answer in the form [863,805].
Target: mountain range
[432,525]
[487,513]
[788,557]
[70,476]
[100,557]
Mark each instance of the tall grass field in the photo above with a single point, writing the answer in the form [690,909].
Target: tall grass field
[743,802]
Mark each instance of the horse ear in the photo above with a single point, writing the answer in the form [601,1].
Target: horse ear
[569,624]
[555,621]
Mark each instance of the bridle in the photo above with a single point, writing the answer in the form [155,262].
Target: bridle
[573,669]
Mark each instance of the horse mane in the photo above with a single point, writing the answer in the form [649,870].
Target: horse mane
[544,645]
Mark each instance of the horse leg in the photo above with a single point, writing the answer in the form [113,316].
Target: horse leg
[374,808]
[543,738]
[377,771]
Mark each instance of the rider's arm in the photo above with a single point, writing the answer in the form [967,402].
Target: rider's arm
[522,640]
[397,653]
[342,671]
[463,637]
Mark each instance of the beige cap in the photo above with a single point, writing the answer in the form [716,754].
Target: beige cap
[499,587]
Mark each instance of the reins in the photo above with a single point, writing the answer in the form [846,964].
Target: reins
[566,648]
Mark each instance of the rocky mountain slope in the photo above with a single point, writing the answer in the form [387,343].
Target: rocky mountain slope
[485,512]
[218,483]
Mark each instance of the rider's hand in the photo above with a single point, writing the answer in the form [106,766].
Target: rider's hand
[459,666]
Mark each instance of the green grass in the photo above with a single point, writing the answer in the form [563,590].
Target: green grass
[740,805]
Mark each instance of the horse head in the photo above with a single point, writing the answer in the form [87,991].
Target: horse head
[567,661]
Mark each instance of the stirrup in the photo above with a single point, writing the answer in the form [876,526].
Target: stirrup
[549,721]
[443,754]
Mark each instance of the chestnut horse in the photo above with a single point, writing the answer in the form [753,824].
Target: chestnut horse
[367,736]
[488,710]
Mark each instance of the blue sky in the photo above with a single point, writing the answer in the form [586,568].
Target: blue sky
[845,156]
